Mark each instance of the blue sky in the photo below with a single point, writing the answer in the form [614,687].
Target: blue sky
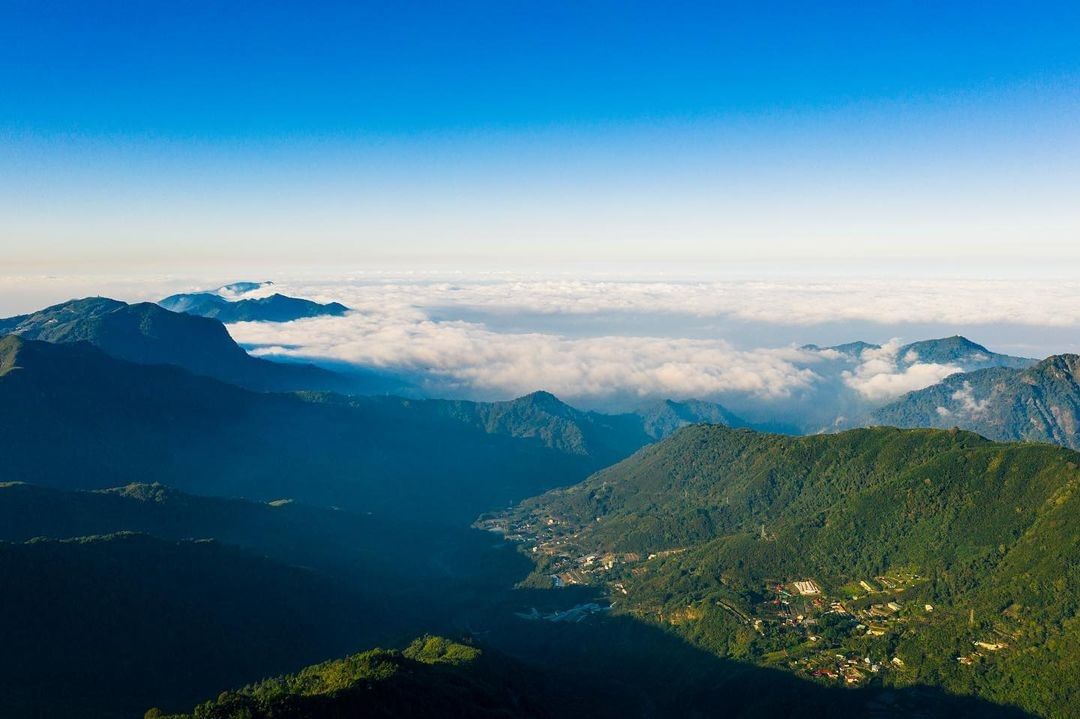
[216,134]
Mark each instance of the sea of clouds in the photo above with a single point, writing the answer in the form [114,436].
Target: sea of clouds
[466,336]
[611,342]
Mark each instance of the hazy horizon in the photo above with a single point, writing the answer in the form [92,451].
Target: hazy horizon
[612,341]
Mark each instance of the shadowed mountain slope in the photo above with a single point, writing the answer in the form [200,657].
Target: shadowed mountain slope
[73,417]
[105,626]
[148,334]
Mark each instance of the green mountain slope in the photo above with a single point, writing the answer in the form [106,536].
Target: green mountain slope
[700,531]
[1041,403]
[431,677]
[106,626]
[542,419]
[959,351]
[275,308]
[596,668]
[148,334]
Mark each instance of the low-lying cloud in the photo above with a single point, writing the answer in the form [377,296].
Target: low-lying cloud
[466,357]
[443,332]
[783,301]
[968,405]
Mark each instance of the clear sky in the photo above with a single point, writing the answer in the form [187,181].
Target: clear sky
[209,134]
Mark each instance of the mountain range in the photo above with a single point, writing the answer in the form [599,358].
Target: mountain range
[852,380]
[273,308]
[188,518]
[73,417]
[1039,403]
[148,334]
[955,350]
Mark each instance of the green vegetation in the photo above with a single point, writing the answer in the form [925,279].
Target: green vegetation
[959,350]
[696,532]
[431,677]
[274,308]
[875,572]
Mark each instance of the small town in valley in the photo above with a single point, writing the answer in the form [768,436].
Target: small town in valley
[835,634]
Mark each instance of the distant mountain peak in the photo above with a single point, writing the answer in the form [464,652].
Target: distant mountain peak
[542,399]
[854,348]
[958,350]
[958,342]
[146,333]
[1056,367]
[273,308]
[1067,362]
[155,492]
[243,287]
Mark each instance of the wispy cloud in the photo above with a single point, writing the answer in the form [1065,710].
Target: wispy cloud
[879,376]
[965,398]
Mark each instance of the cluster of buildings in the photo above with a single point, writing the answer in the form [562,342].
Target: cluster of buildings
[985,646]
[819,625]
[853,670]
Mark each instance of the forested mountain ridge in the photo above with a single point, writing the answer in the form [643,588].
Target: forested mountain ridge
[431,677]
[701,532]
[955,350]
[544,418]
[75,418]
[958,350]
[274,308]
[1040,403]
[397,563]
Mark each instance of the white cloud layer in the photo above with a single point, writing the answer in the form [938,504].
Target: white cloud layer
[397,325]
[783,301]
[595,337]
[463,356]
